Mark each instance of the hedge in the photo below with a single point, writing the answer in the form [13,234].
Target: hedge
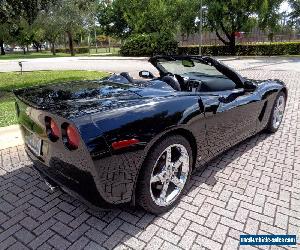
[79,50]
[267,49]
[149,45]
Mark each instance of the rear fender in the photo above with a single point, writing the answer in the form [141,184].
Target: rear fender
[147,123]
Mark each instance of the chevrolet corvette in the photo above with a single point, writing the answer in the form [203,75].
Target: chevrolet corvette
[120,140]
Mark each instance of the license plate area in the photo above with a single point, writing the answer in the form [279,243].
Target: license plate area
[34,143]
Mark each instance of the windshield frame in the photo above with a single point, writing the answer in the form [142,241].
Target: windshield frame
[219,66]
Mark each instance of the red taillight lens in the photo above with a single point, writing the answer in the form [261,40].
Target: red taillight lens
[72,137]
[52,128]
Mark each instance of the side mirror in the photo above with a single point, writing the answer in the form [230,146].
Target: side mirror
[146,74]
[249,86]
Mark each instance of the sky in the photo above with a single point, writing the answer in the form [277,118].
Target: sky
[285,7]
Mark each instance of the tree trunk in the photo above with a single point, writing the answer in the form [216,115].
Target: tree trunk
[2,47]
[232,43]
[182,39]
[65,42]
[71,45]
[53,49]
[109,44]
[221,38]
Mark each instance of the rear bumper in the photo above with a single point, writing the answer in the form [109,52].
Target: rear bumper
[52,184]
[82,188]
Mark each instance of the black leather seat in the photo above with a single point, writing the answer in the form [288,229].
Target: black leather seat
[172,81]
[216,84]
[127,76]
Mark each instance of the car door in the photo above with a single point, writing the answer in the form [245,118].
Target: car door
[231,116]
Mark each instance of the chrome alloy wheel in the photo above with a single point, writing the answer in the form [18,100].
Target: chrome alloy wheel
[169,174]
[278,111]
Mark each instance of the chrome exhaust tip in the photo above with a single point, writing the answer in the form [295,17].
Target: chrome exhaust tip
[52,185]
[52,188]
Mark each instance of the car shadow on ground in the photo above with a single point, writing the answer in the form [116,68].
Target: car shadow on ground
[207,174]
[35,216]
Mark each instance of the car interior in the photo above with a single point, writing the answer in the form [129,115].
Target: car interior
[189,75]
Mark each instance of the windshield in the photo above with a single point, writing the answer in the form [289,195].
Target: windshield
[193,67]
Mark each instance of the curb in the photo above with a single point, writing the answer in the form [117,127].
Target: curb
[10,136]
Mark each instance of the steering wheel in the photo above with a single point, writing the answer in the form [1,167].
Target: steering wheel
[194,85]
[171,80]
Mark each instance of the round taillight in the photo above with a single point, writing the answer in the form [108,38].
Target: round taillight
[70,135]
[73,137]
[52,128]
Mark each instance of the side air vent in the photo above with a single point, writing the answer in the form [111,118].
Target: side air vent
[262,113]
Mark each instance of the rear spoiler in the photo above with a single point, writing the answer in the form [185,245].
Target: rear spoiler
[18,95]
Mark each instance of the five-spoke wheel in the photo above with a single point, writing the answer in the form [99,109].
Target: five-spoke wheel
[165,174]
[277,113]
[169,174]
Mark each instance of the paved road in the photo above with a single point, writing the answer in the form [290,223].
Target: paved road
[110,64]
[134,65]
[272,64]
[253,188]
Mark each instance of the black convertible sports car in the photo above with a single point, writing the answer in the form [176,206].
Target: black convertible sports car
[118,140]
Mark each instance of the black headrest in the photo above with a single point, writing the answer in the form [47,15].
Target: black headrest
[127,76]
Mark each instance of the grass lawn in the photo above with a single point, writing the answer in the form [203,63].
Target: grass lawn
[31,55]
[13,80]
[48,54]
[113,51]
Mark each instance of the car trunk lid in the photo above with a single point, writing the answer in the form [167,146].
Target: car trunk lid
[74,99]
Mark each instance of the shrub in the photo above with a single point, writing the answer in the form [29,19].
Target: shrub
[148,45]
[79,50]
[82,50]
[266,49]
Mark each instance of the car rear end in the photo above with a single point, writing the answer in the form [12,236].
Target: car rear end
[55,145]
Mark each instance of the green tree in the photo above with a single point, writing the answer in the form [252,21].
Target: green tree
[9,14]
[187,13]
[31,11]
[48,21]
[110,16]
[151,16]
[122,18]
[38,35]
[4,36]
[24,34]
[73,15]
[231,16]
[295,13]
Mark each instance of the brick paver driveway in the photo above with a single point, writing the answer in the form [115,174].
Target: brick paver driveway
[253,188]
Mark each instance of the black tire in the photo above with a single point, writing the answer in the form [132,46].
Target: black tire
[144,198]
[270,128]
